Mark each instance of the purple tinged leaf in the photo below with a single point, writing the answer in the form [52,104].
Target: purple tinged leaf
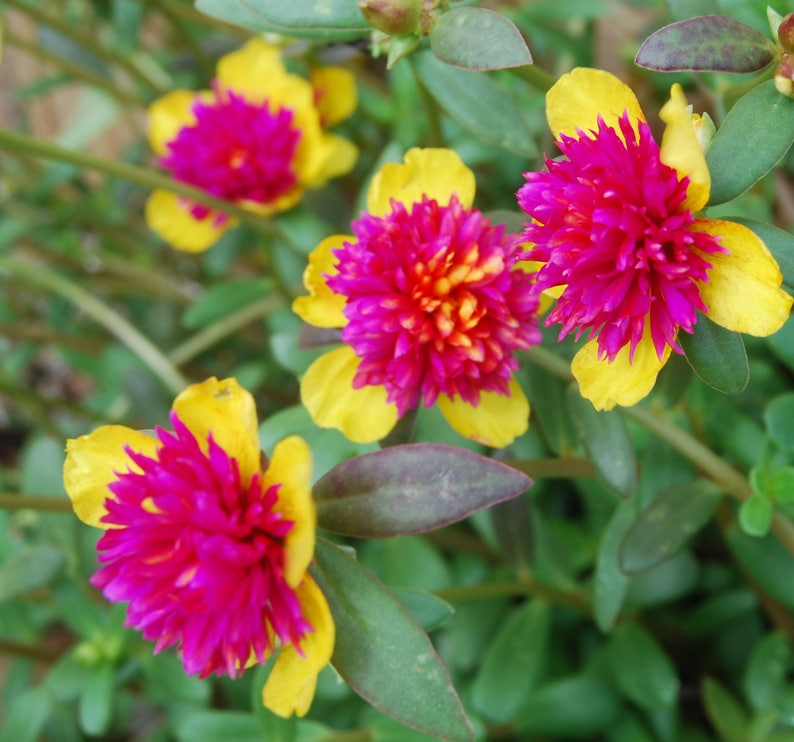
[411,488]
[709,43]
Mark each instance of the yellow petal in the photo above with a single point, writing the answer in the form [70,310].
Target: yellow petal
[332,156]
[577,98]
[334,93]
[291,684]
[167,115]
[620,382]
[743,291]
[167,215]
[681,149]
[497,421]
[228,411]
[291,468]
[363,415]
[435,173]
[323,307]
[91,463]
[252,71]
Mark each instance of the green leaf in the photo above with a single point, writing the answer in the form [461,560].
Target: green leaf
[578,706]
[755,515]
[662,528]
[478,39]
[777,484]
[224,299]
[641,669]
[211,726]
[780,244]
[611,582]
[607,443]
[30,568]
[41,466]
[26,716]
[765,677]
[766,561]
[477,103]
[329,20]
[724,712]
[428,610]
[512,524]
[711,43]
[779,419]
[717,356]
[513,663]
[383,654]
[96,700]
[549,410]
[755,135]
[411,488]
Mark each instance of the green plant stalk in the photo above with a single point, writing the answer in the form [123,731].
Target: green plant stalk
[526,587]
[205,62]
[214,333]
[16,143]
[561,468]
[723,474]
[76,71]
[88,42]
[41,503]
[535,76]
[125,332]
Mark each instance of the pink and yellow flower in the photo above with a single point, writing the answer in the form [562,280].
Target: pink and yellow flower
[616,230]
[432,302]
[257,138]
[208,542]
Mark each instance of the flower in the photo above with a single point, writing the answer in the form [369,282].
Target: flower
[432,303]
[616,231]
[209,545]
[257,139]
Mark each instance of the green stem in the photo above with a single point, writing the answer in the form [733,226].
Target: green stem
[526,587]
[212,334]
[563,468]
[205,62]
[535,76]
[76,71]
[36,652]
[88,42]
[125,332]
[42,503]
[15,143]
[731,481]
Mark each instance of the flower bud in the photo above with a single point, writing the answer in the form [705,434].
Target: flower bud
[784,75]
[393,17]
[785,32]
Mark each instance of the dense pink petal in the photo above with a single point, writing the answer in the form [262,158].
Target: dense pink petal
[434,304]
[609,224]
[235,150]
[198,553]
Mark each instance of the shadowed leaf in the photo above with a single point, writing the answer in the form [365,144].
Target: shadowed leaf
[717,356]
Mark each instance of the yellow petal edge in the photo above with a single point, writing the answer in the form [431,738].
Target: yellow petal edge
[322,307]
[435,173]
[290,686]
[92,462]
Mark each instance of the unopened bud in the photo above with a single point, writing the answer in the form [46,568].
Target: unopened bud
[784,75]
[393,17]
[785,32]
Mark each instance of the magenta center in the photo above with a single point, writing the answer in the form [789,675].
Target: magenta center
[235,150]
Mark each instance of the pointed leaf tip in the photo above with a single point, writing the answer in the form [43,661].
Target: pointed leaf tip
[383,654]
[411,488]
